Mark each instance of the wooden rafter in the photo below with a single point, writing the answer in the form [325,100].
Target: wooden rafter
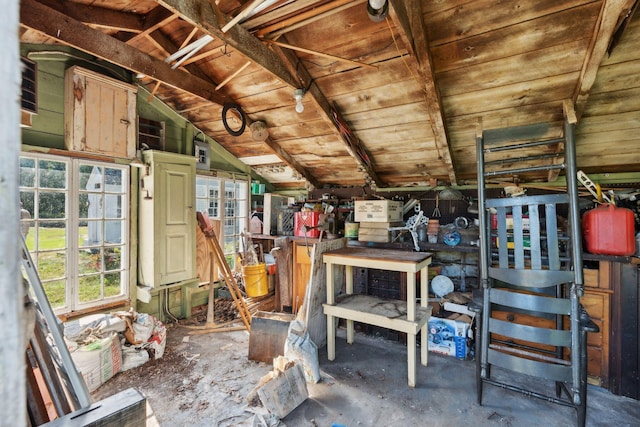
[164,44]
[407,16]
[204,15]
[321,54]
[73,33]
[54,24]
[99,17]
[305,18]
[325,108]
[155,19]
[277,13]
[611,13]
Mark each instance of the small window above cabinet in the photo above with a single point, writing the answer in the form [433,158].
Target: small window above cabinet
[99,114]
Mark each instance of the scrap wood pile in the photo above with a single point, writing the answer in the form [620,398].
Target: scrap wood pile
[226,310]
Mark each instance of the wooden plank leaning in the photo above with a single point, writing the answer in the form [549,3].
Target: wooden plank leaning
[234,290]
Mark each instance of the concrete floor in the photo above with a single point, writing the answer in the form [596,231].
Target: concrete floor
[204,379]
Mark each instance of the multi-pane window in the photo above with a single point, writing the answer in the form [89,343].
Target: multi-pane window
[78,228]
[226,200]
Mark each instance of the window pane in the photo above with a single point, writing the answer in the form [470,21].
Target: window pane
[27,172]
[89,261]
[93,204]
[52,236]
[26,211]
[228,227]
[113,180]
[241,208]
[113,284]
[89,288]
[242,189]
[229,189]
[112,258]
[202,205]
[214,211]
[83,205]
[90,178]
[201,187]
[51,265]
[94,234]
[114,231]
[52,205]
[113,206]
[52,174]
[55,291]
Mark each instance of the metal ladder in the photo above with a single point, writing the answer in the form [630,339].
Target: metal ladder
[76,386]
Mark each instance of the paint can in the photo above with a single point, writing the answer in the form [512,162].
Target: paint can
[351,230]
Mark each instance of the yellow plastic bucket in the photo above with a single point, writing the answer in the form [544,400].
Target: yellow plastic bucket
[255,280]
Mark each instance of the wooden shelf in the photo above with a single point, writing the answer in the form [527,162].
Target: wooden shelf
[382,312]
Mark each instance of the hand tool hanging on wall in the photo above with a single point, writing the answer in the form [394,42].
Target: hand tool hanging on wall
[436,210]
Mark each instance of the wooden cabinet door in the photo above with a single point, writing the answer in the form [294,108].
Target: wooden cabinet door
[301,273]
[100,114]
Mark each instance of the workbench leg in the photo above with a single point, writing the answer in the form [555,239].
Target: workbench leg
[350,331]
[411,359]
[331,338]
[423,345]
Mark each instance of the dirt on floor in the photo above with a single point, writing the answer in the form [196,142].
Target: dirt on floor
[204,378]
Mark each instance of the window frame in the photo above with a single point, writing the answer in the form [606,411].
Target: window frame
[220,210]
[72,220]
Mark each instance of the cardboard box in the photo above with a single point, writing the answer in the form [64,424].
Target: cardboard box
[376,231]
[449,336]
[378,210]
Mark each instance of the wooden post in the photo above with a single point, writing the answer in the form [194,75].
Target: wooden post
[12,351]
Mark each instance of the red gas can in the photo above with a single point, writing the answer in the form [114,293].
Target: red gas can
[609,230]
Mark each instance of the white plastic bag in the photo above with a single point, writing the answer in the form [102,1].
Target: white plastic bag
[300,348]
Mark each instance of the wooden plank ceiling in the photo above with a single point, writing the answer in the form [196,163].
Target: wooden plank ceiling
[391,101]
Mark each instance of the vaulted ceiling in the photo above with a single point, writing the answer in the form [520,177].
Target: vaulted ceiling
[390,98]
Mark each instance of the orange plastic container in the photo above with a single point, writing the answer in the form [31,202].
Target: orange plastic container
[609,230]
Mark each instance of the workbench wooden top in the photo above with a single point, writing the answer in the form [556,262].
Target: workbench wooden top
[379,254]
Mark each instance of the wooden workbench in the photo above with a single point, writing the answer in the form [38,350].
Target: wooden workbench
[404,316]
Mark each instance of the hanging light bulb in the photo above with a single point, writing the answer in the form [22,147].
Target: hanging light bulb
[297,95]
[377,10]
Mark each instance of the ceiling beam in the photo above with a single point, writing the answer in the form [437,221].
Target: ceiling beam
[54,24]
[326,110]
[202,14]
[98,17]
[612,14]
[160,40]
[156,18]
[407,15]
